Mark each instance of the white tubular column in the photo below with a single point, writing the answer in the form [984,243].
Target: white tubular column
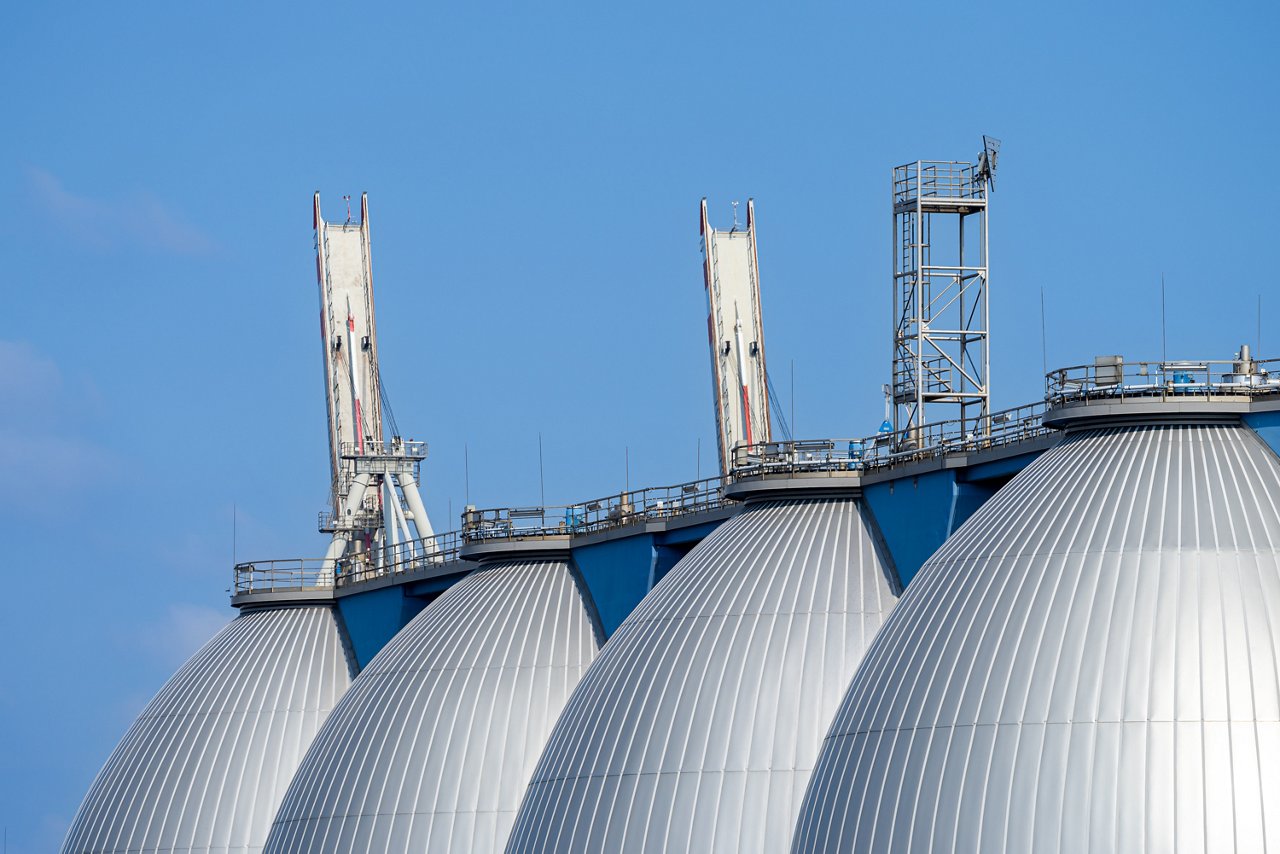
[337,548]
[403,533]
[421,524]
[341,539]
[389,518]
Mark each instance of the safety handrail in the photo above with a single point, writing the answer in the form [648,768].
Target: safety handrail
[937,179]
[886,448]
[651,503]
[274,576]
[1107,378]
[1115,378]
[619,509]
[407,448]
[400,558]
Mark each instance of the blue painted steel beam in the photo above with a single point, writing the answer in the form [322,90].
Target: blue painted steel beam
[1267,426]
[915,515]
[618,573]
[371,618]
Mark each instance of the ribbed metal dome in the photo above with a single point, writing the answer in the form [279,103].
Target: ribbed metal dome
[697,728]
[1089,664]
[205,765]
[434,744]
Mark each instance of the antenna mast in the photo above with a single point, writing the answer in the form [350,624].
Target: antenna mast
[940,314]
[375,503]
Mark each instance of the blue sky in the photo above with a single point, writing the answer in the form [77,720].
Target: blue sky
[534,177]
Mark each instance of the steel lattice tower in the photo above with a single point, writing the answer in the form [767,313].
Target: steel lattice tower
[940,289]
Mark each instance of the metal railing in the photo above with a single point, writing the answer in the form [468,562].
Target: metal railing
[406,448]
[276,576]
[1008,426]
[1108,378]
[944,179]
[614,511]
[649,504]
[765,458]
[801,455]
[361,520]
[882,451]
[401,558]
[513,523]
[1115,379]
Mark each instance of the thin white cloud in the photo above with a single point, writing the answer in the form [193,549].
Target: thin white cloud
[41,445]
[141,219]
[26,376]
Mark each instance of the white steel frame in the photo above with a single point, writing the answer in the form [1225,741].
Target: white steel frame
[941,352]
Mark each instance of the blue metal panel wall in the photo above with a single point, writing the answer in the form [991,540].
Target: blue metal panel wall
[1001,470]
[671,547]
[689,536]
[373,618]
[914,517]
[665,559]
[618,574]
[1267,426]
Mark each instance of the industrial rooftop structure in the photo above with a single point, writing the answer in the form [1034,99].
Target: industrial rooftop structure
[1081,659]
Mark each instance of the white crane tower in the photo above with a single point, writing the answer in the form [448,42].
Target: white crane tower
[735,329]
[376,509]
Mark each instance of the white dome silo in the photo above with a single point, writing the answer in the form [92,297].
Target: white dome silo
[697,728]
[432,747]
[1089,664]
[206,763]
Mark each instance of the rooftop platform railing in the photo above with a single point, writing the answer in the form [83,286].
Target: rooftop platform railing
[1005,427]
[362,520]
[653,503]
[937,179]
[512,523]
[409,557]
[281,576]
[881,451]
[796,456]
[1113,378]
[377,448]
[767,458]
[297,574]
[1109,378]
[613,511]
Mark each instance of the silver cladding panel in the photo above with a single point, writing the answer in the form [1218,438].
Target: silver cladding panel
[433,746]
[1089,664]
[205,765]
[699,725]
